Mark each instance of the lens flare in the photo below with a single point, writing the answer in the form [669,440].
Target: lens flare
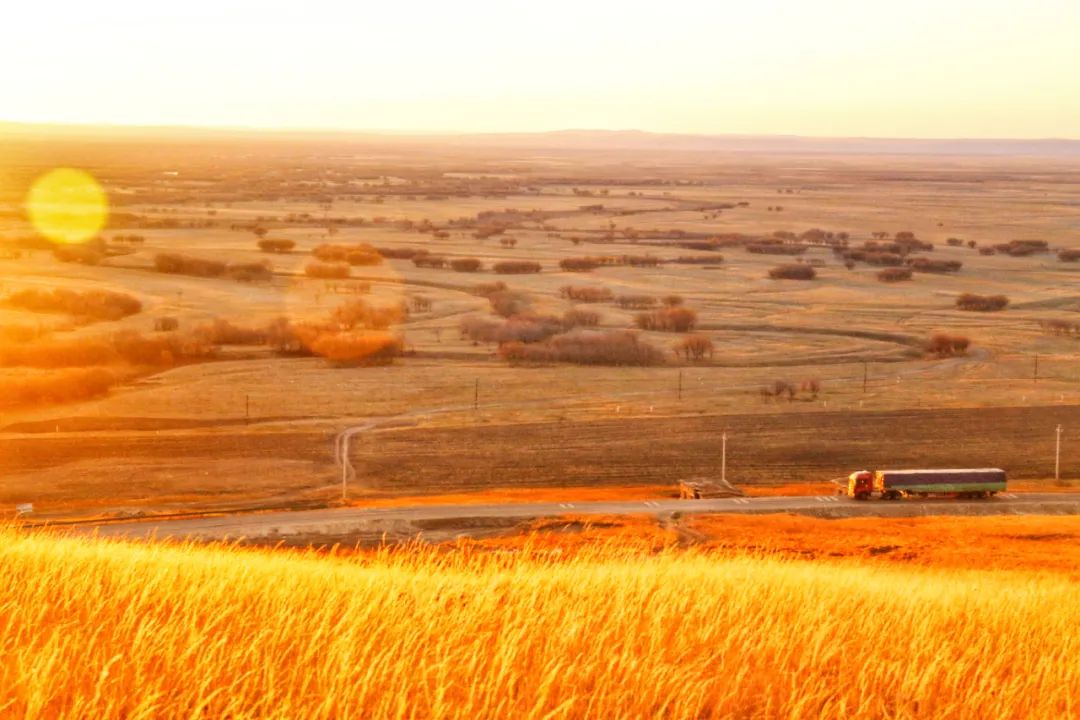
[67,206]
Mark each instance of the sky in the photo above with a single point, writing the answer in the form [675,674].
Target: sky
[869,68]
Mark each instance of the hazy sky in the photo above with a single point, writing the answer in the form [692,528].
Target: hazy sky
[917,68]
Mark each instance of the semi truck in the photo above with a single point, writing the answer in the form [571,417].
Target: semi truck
[896,484]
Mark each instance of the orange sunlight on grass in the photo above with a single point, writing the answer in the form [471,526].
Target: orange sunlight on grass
[102,629]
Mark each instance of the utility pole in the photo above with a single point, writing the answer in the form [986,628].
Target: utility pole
[723,458]
[247,409]
[476,395]
[865,375]
[1057,457]
[680,385]
[1035,376]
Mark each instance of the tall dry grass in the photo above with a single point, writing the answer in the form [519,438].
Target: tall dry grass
[98,629]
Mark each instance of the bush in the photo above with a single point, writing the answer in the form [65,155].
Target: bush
[55,387]
[986,250]
[359,314]
[669,319]
[579,293]
[429,261]
[466,265]
[894,274]
[942,345]
[672,300]
[400,253]
[583,264]
[793,272]
[251,272]
[954,242]
[694,347]
[89,304]
[982,303]
[776,249]
[486,289]
[89,254]
[923,264]
[276,246]
[509,302]
[1069,255]
[360,254]
[586,347]
[184,265]
[635,302]
[223,332]
[580,318]
[698,259]
[519,329]
[516,267]
[1022,248]
[327,271]
[356,348]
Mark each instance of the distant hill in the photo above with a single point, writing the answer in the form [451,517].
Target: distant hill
[609,140]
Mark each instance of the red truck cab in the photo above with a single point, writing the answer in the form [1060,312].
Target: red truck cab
[860,484]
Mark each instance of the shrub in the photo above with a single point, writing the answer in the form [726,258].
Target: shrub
[276,246]
[421,303]
[1022,248]
[401,253]
[223,332]
[635,302]
[89,254]
[641,260]
[669,319]
[672,300]
[698,259]
[359,314]
[486,289]
[923,264]
[776,249]
[518,329]
[583,264]
[580,318]
[360,254]
[982,303]
[175,264]
[509,302]
[1069,255]
[586,347]
[954,242]
[56,387]
[327,271]
[942,345]
[89,304]
[466,265]
[579,293]
[694,347]
[793,272]
[986,250]
[166,324]
[894,274]
[251,272]
[516,267]
[356,348]
[429,261]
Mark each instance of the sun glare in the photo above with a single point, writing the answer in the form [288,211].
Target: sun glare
[67,206]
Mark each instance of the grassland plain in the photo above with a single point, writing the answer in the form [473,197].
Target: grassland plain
[102,629]
[215,415]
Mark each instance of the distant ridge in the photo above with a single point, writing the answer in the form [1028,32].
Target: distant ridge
[580,139]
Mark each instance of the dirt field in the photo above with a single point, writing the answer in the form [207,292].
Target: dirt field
[243,423]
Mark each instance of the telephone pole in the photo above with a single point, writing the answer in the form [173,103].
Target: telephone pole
[1057,456]
[723,457]
[476,395]
[680,385]
[865,376]
[1035,375]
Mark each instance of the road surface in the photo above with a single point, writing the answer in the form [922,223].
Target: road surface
[415,520]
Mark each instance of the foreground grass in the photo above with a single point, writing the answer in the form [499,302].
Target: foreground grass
[99,629]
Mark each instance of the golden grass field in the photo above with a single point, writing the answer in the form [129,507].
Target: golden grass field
[102,629]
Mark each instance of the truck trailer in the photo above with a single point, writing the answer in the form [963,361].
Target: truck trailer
[895,484]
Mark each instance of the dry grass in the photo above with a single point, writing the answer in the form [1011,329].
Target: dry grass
[605,632]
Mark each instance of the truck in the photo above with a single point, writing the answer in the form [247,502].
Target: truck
[954,482]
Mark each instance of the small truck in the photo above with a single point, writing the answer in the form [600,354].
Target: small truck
[896,484]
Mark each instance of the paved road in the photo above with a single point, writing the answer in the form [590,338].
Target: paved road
[341,522]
